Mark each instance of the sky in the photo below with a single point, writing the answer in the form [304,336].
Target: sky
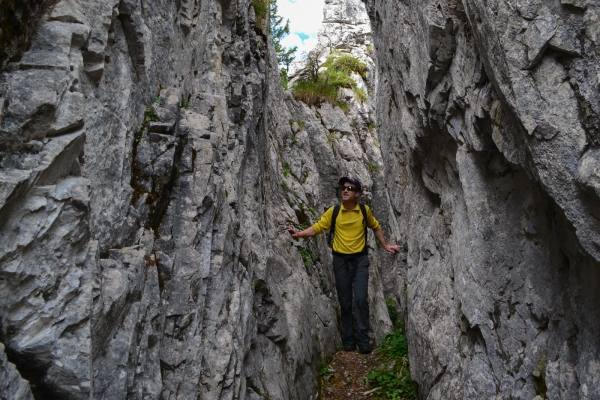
[305,19]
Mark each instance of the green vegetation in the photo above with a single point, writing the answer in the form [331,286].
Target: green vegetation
[393,312]
[307,257]
[286,167]
[394,377]
[185,104]
[261,7]
[343,105]
[373,167]
[345,63]
[315,92]
[324,369]
[254,283]
[301,124]
[327,78]
[371,126]
[285,186]
[149,116]
[331,137]
[278,30]
[360,94]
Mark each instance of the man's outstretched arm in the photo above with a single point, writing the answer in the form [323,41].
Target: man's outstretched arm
[379,235]
[308,232]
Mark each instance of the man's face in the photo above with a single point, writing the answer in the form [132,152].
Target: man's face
[349,191]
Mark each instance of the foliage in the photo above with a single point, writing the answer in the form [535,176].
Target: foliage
[149,115]
[394,378]
[395,382]
[185,104]
[301,124]
[325,79]
[346,63]
[331,137]
[392,311]
[371,126]
[307,257]
[284,79]
[360,94]
[261,7]
[324,369]
[285,186]
[314,92]
[373,167]
[286,168]
[343,105]
[278,30]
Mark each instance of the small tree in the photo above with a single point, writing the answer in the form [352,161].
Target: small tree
[312,62]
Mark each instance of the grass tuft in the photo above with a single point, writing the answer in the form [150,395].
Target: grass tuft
[334,74]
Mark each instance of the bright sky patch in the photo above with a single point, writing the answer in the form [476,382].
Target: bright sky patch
[305,19]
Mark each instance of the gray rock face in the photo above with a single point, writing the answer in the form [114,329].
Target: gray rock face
[488,120]
[150,162]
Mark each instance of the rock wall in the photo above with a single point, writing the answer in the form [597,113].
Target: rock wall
[150,162]
[488,120]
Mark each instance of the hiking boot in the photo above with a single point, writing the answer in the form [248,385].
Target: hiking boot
[349,347]
[364,349]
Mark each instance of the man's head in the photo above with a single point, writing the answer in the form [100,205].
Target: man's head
[350,188]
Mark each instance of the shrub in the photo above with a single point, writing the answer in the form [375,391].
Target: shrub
[328,78]
[348,64]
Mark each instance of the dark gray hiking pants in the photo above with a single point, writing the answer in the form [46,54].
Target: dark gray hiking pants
[352,283]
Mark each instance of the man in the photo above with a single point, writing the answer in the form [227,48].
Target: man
[350,260]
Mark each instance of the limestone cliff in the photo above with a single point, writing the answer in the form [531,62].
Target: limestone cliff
[150,161]
[488,118]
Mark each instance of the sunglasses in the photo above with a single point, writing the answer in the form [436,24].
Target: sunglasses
[348,188]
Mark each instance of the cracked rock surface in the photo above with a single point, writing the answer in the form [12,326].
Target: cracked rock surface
[488,121]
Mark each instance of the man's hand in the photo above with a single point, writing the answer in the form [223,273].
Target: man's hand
[308,232]
[392,249]
[292,232]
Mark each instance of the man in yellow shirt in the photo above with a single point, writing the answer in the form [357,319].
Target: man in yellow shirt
[350,260]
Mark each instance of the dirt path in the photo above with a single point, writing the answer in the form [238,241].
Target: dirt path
[348,380]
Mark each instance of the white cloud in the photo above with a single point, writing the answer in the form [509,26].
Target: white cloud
[305,20]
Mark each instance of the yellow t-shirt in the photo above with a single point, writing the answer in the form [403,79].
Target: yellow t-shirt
[349,235]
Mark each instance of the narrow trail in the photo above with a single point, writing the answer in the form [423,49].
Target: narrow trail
[383,374]
[346,378]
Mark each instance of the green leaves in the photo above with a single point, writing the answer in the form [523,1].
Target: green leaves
[277,30]
[324,369]
[394,378]
[329,77]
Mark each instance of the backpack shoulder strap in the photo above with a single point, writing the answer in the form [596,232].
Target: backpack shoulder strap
[336,211]
[363,209]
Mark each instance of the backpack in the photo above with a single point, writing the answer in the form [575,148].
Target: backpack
[336,211]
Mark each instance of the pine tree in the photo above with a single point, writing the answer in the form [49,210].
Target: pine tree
[278,31]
